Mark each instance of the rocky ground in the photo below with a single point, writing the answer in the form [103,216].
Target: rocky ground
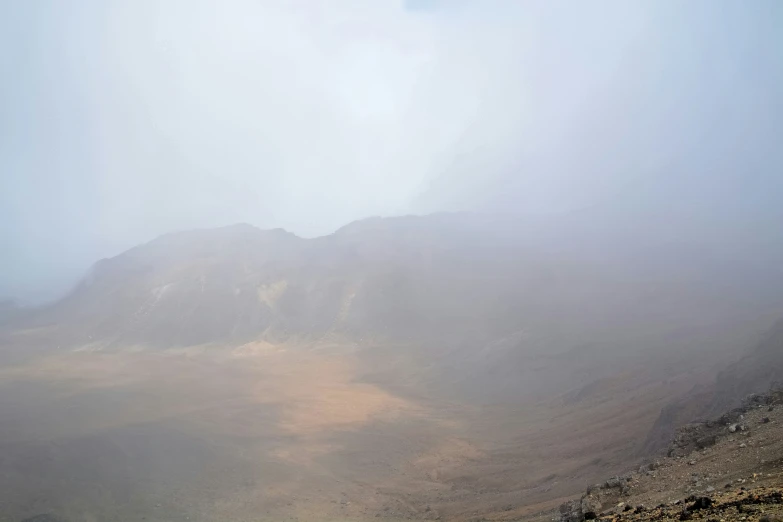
[762,504]
[723,470]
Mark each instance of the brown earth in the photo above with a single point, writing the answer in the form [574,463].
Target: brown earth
[739,477]
[281,432]
[441,367]
[753,504]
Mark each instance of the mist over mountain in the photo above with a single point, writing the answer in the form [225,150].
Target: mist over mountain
[122,123]
[463,292]
[482,361]
[447,276]
[390,260]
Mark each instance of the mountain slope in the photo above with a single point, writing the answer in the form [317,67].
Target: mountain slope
[756,372]
[404,367]
[433,277]
[727,468]
[490,306]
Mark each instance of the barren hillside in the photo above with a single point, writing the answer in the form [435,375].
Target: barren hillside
[448,366]
[728,468]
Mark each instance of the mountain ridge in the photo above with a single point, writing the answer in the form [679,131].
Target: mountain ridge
[459,293]
[491,364]
[495,259]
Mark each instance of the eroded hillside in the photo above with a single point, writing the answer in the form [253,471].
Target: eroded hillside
[410,368]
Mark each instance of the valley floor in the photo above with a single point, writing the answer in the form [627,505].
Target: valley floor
[264,432]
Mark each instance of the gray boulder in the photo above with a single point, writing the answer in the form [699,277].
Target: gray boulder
[590,507]
[571,511]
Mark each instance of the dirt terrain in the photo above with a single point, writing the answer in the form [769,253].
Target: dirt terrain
[280,432]
[730,468]
[431,368]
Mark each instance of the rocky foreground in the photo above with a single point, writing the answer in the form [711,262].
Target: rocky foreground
[727,469]
[762,504]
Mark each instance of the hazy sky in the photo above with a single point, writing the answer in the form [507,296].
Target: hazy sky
[122,120]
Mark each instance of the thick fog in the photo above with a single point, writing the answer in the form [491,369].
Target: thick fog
[123,120]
